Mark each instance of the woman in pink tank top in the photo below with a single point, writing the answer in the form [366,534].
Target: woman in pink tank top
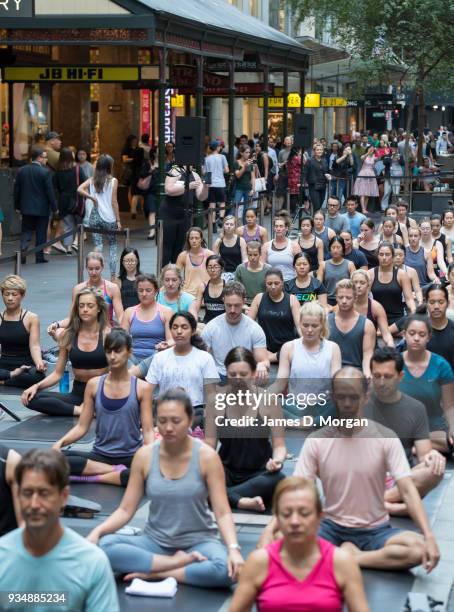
[191,261]
[299,572]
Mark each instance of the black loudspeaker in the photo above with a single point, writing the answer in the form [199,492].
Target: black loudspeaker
[303,130]
[190,132]
[430,202]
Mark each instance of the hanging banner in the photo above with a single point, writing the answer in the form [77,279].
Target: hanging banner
[169,116]
[145,116]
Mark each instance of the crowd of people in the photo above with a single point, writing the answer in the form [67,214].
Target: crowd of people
[357,313]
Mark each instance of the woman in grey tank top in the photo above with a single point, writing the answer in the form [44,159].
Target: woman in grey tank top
[333,270]
[180,539]
[123,419]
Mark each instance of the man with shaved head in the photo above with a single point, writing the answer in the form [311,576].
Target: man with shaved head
[352,457]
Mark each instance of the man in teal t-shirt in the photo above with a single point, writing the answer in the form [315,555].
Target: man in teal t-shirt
[45,563]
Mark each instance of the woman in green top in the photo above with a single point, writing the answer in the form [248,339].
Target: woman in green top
[244,168]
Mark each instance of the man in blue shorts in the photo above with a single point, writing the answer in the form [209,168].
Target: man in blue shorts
[352,458]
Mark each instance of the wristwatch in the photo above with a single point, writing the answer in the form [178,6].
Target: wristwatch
[234,546]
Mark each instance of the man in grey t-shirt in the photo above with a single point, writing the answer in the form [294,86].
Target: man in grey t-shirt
[407,417]
[233,329]
[334,220]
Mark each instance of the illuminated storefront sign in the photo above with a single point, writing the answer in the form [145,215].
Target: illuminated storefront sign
[94,73]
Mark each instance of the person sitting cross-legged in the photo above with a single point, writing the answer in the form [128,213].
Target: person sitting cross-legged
[177,474]
[123,419]
[407,417]
[352,458]
[252,456]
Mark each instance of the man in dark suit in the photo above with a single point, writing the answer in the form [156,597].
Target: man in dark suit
[34,199]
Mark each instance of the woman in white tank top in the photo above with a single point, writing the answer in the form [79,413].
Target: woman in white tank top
[280,251]
[101,189]
[306,366]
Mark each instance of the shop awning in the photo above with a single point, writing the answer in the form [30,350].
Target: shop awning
[322,53]
[217,16]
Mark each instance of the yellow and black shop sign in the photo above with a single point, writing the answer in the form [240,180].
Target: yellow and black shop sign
[71,74]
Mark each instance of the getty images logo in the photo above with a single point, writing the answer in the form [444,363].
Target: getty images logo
[4,4]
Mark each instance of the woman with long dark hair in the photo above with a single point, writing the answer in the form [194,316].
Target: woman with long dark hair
[123,419]
[178,474]
[67,179]
[252,459]
[186,364]
[102,189]
[129,270]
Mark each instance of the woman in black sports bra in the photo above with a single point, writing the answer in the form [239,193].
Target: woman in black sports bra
[21,364]
[82,343]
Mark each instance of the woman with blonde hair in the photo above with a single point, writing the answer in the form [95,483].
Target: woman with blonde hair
[171,293]
[82,343]
[307,364]
[231,247]
[299,571]
[192,260]
[21,364]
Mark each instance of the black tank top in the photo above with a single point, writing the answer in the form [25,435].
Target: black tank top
[351,342]
[88,360]
[15,340]
[213,306]
[276,320]
[241,454]
[389,295]
[128,292]
[231,255]
[7,516]
[312,254]
[371,256]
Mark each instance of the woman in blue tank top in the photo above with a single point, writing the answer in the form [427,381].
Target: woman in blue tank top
[180,539]
[123,419]
[148,323]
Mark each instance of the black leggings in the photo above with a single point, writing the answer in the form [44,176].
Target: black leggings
[78,460]
[59,404]
[175,226]
[260,483]
[317,197]
[24,380]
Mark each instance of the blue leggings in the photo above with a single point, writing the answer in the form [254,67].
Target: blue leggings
[135,554]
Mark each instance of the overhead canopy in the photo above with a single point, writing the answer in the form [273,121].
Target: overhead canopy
[212,28]
[219,15]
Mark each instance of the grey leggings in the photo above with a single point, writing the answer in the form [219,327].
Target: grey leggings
[96,221]
[135,554]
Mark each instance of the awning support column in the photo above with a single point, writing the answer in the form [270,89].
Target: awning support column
[266,77]
[231,126]
[162,100]
[199,89]
[285,105]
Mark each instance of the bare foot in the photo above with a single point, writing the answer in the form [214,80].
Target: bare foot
[20,370]
[351,548]
[183,558]
[252,503]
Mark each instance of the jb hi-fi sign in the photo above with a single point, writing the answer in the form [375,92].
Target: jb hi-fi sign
[16,8]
